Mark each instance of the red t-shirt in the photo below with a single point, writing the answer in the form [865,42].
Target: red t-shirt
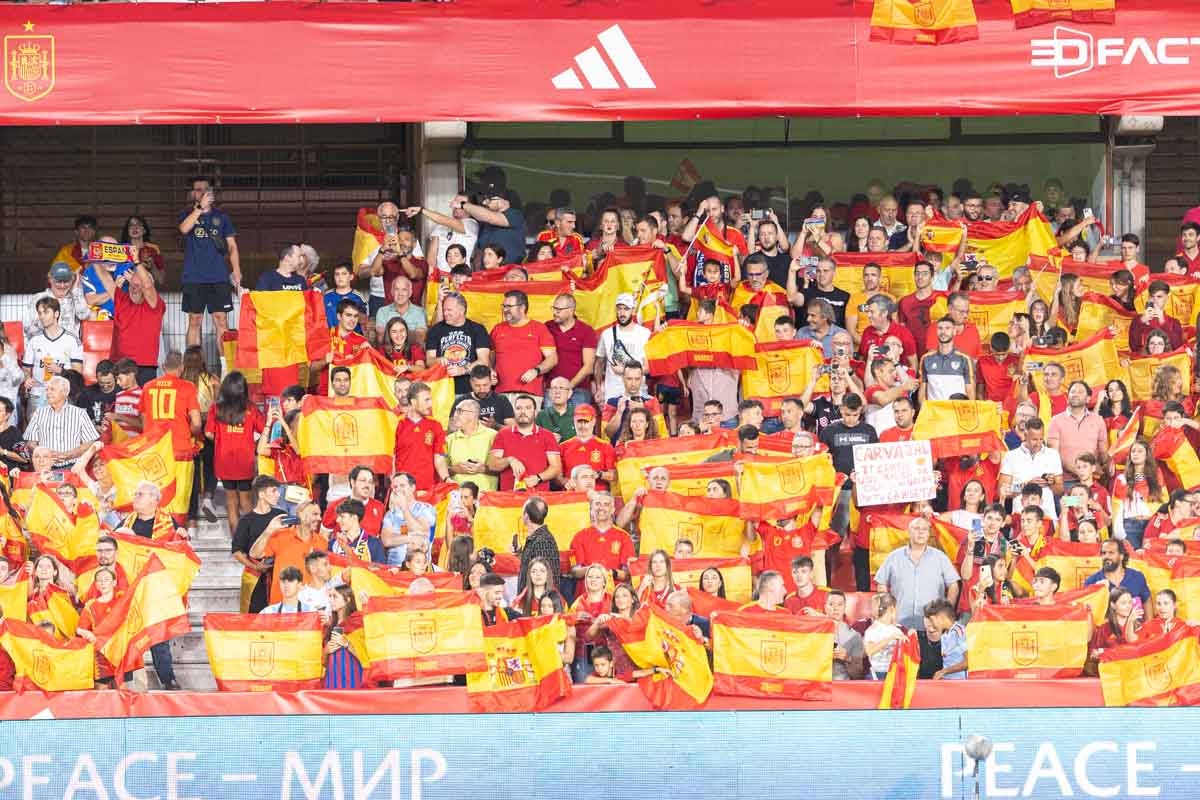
[914,315]
[986,472]
[135,329]
[816,601]
[997,376]
[965,342]
[234,447]
[530,449]
[896,435]
[372,521]
[520,348]
[613,548]
[416,445]
[871,336]
[570,345]
[596,453]
[171,399]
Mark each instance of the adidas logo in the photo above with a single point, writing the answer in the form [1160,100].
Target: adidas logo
[596,71]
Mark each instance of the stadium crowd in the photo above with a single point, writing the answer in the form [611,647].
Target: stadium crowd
[547,406]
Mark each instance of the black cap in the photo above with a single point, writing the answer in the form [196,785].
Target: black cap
[1020,196]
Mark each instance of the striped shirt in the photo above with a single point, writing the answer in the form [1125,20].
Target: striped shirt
[62,430]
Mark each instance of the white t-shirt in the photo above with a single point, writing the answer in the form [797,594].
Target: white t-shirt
[41,352]
[447,237]
[633,340]
[1023,466]
[875,634]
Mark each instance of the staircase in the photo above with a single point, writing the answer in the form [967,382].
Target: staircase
[216,588]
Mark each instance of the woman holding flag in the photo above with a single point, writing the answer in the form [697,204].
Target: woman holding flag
[658,584]
[50,597]
[594,602]
[96,610]
[1136,493]
[624,605]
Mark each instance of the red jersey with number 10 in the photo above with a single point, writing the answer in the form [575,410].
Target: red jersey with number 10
[171,400]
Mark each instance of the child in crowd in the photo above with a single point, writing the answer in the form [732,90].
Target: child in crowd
[879,642]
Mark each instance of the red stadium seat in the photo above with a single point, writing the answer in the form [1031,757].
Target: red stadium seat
[97,345]
[16,336]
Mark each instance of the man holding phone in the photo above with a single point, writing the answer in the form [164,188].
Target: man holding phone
[467,447]
[209,239]
[1155,317]
[286,541]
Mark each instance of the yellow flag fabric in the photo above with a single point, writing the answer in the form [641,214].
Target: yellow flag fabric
[1074,561]
[693,479]
[1008,245]
[691,344]
[150,611]
[638,458]
[1027,13]
[13,600]
[1093,360]
[377,580]
[485,298]
[498,518]
[775,654]
[71,538]
[990,312]
[149,456]
[896,272]
[687,571]
[1141,372]
[900,683]
[44,662]
[1099,312]
[955,427]
[55,607]
[524,667]
[368,236]
[281,329]
[713,526]
[427,635]
[782,370]
[265,652]
[336,434]
[134,553]
[924,21]
[773,490]
[639,271]
[1028,641]
[885,532]
[654,639]
[1174,452]
[1160,670]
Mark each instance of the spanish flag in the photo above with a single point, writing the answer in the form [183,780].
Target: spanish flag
[713,526]
[134,553]
[1159,671]
[772,655]
[709,245]
[552,269]
[1181,302]
[1094,598]
[1028,641]
[900,683]
[1008,245]
[705,604]
[498,518]
[687,572]
[524,668]
[356,638]
[377,580]
[371,374]
[941,235]
[485,298]
[886,532]
[782,370]
[782,489]
[1027,13]
[1074,561]
[265,652]
[639,271]
[150,456]
[149,612]
[638,458]
[441,387]
[71,538]
[1100,312]
[923,21]
[1142,369]
[954,427]
[1173,451]
[1120,443]
[684,344]
[55,607]
[772,304]
[14,599]
[1093,360]
[692,479]
[418,636]
[990,312]
[368,236]
[896,272]
[1180,574]
[653,639]
[336,434]
[23,486]
[44,662]
[1048,268]
[281,329]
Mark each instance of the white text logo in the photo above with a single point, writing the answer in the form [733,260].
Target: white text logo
[596,72]
[1073,52]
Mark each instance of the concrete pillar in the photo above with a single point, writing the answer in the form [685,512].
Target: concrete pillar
[1133,144]
[438,179]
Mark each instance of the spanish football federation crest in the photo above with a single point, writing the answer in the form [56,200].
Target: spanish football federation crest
[262,658]
[773,657]
[1024,648]
[29,64]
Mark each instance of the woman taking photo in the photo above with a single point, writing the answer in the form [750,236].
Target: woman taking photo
[592,603]
[1136,493]
[233,426]
[94,612]
[397,347]
[658,582]
[343,670]
[1019,336]
[972,504]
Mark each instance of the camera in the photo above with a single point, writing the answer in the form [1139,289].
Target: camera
[862,308]
[825,369]
[758,214]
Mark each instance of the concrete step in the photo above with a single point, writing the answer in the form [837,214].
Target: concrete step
[191,677]
[202,599]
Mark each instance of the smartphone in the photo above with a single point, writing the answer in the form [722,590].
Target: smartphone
[810,272]
[1071,502]
[976,528]
[757,214]
[814,221]
[1088,213]
[825,369]
[985,578]
[337,630]
[273,404]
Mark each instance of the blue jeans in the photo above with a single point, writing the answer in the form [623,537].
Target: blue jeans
[160,654]
[1135,531]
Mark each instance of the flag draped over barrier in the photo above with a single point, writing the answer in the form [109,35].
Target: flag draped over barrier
[772,655]
[265,652]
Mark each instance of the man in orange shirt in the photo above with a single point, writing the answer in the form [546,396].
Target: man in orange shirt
[525,350]
[290,546]
[172,401]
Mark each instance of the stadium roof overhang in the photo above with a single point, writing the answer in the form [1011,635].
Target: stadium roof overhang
[498,60]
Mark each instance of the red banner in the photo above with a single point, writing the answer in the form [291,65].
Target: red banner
[206,63]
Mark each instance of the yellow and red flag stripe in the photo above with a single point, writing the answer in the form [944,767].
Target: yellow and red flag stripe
[1028,641]
[1008,245]
[498,518]
[368,236]
[705,604]
[1074,561]
[687,572]
[134,552]
[281,329]
[708,245]
[1094,598]
[14,599]
[1158,671]
[638,271]
[638,458]
[485,298]
[683,344]
[149,456]
[773,489]
[692,479]
[772,655]
[265,652]
[989,312]
[924,21]
[378,580]
[1027,13]
[524,669]
[1142,369]
[954,427]
[71,538]
[149,612]
[1099,312]
[56,607]
[1174,452]
[713,526]
[417,636]
[782,370]
[896,270]
[900,683]
[1093,360]
[336,434]
[653,639]
[885,532]
[1124,438]
[44,662]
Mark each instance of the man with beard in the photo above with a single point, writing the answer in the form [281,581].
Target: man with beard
[1117,573]
[525,454]
[773,245]
[623,343]
[972,207]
